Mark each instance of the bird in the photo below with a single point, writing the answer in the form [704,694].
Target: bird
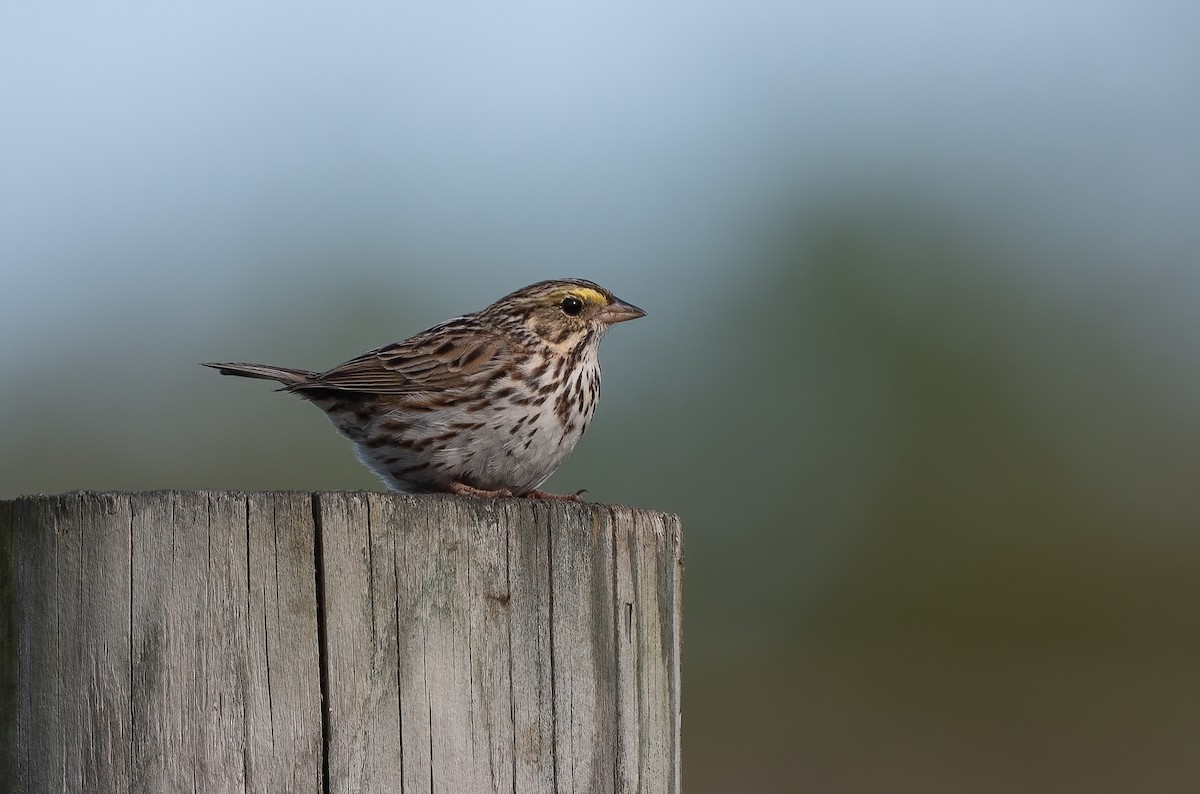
[485,405]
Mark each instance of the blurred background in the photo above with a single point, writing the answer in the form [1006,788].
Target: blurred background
[921,369]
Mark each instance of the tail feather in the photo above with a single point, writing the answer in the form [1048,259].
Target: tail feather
[285,375]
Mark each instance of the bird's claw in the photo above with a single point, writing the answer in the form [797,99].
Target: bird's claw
[462,489]
[537,493]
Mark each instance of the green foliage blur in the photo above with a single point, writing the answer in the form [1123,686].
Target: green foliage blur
[933,433]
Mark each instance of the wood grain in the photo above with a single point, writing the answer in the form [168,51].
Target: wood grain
[340,642]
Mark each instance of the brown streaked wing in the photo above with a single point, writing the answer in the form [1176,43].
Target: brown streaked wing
[437,360]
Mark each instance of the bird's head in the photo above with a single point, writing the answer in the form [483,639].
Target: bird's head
[564,313]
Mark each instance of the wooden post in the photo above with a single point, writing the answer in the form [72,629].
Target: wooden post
[337,642]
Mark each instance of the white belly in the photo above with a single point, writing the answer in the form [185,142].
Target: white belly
[517,447]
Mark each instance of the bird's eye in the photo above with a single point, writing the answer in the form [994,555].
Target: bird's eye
[572,306]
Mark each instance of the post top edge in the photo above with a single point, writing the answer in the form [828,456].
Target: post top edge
[433,498]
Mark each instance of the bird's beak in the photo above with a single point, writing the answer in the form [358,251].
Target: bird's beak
[618,311]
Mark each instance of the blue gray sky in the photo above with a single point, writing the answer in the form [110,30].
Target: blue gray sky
[183,154]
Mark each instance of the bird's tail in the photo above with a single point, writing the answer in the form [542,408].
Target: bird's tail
[287,376]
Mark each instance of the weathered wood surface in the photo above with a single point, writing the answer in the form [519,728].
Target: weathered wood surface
[341,642]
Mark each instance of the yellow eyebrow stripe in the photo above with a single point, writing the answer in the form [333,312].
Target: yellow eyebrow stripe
[586,294]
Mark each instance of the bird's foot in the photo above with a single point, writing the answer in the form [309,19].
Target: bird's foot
[537,493]
[462,489]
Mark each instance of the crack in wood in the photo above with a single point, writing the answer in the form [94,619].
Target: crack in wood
[322,638]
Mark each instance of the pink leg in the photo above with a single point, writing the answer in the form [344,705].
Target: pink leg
[540,494]
[462,489]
